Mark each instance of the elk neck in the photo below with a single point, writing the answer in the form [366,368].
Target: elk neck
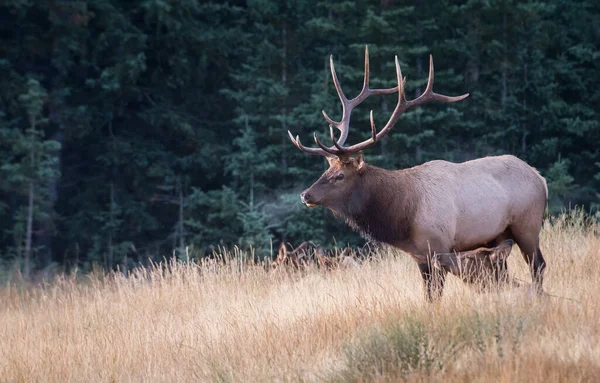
[382,205]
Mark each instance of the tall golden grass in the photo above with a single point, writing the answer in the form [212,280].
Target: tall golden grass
[182,321]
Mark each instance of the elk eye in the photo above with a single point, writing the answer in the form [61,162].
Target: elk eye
[339,177]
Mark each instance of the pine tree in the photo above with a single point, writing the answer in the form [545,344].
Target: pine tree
[28,170]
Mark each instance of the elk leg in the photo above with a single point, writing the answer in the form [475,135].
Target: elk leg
[433,280]
[534,258]
[539,265]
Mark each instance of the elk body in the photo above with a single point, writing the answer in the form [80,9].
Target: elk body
[436,207]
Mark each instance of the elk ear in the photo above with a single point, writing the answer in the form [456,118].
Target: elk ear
[303,247]
[282,250]
[319,252]
[331,160]
[502,251]
[359,161]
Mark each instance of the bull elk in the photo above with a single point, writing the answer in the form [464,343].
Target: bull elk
[436,207]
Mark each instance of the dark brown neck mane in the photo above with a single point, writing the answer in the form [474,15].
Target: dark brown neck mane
[382,205]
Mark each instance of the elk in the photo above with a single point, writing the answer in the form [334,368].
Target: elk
[344,260]
[297,258]
[300,258]
[481,267]
[436,207]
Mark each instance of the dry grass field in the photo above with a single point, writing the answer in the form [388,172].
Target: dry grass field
[191,322]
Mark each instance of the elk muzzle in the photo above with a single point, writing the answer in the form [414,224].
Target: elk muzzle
[308,199]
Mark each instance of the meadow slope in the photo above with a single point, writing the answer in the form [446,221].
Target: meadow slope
[191,322]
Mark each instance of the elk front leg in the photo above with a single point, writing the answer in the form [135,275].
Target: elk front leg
[433,281]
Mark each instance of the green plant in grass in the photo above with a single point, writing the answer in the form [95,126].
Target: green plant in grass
[417,345]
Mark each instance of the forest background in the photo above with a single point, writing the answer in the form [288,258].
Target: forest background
[130,131]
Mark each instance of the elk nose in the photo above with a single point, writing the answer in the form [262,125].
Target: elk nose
[305,197]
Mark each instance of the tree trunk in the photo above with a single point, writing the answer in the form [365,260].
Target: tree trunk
[180,227]
[28,238]
[31,195]
[110,256]
[524,142]
[251,170]
[252,189]
[110,235]
[46,229]
[284,138]
[504,63]
[525,113]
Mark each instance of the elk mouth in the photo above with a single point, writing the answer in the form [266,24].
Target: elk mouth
[308,199]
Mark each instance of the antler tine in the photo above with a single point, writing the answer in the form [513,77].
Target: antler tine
[373,129]
[429,87]
[366,80]
[336,82]
[401,81]
[325,148]
[344,123]
[366,91]
[329,120]
[429,94]
[401,95]
[298,144]
[341,149]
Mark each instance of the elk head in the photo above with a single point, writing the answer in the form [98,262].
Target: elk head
[341,183]
[346,259]
[323,260]
[295,258]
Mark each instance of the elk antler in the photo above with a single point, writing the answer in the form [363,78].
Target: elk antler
[343,152]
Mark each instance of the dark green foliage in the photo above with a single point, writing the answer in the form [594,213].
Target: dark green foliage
[560,185]
[131,130]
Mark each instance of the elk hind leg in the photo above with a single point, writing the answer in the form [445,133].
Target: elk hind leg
[433,280]
[530,249]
